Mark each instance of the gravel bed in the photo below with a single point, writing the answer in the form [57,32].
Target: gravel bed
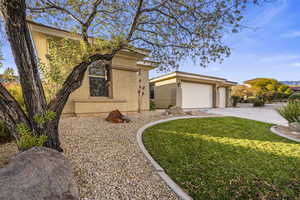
[107,160]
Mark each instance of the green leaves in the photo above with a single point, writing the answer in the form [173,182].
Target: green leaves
[291,112]
[27,140]
[46,117]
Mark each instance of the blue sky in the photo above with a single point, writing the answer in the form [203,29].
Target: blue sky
[268,47]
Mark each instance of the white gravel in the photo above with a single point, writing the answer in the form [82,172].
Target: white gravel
[107,160]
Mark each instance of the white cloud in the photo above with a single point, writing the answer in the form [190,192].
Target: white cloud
[297,64]
[292,34]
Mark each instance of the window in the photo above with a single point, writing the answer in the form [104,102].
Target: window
[98,77]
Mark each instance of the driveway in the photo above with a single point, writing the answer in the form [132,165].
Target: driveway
[265,114]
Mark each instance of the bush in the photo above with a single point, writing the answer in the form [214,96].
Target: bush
[5,136]
[259,102]
[235,100]
[152,105]
[291,112]
[294,97]
[251,99]
[27,140]
[16,91]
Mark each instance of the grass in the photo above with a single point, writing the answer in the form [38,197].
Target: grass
[226,158]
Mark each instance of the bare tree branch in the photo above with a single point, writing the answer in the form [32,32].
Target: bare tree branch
[135,20]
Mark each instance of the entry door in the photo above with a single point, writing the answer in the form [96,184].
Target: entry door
[195,95]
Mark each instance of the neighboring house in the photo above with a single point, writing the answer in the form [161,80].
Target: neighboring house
[97,94]
[295,89]
[291,83]
[188,90]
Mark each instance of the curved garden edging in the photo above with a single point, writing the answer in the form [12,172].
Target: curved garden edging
[273,130]
[180,192]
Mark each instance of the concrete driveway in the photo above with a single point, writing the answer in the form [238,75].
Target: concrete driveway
[265,114]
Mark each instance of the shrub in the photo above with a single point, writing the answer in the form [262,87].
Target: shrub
[294,97]
[27,140]
[5,136]
[235,100]
[259,102]
[251,99]
[291,112]
[268,96]
[16,91]
[152,105]
[170,106]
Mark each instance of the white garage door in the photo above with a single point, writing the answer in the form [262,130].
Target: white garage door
[195,95]
[222,97]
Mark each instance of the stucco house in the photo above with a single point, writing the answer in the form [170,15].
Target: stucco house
[189,91]
[97,95]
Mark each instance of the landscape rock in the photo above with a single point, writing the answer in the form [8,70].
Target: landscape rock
[117,117]
[194,112]
[295,126]
[38,174]
[125,119]
[174,110]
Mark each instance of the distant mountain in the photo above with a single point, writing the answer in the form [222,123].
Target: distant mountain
[292,83]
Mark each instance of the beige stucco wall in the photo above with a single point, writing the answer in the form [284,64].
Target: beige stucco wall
[124,85]
[145,82]
[222,97]
[165,93]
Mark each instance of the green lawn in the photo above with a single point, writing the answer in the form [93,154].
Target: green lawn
[226,158]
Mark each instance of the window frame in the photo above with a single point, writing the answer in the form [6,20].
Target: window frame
[106,78]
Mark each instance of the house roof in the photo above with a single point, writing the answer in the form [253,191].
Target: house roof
[148,63]
[53,31]
[191,76]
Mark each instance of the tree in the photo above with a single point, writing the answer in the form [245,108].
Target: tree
[241,91]
[1,43]
[8,75]
[270,88]
[172,30]
[265,84]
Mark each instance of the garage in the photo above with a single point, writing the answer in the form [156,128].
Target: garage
[196,95]
[191,91]
[222,97]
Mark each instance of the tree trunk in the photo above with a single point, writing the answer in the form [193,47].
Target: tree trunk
[53,135]
[14,15]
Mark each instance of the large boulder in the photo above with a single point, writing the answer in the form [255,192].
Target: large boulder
[38,174]
[116,116]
